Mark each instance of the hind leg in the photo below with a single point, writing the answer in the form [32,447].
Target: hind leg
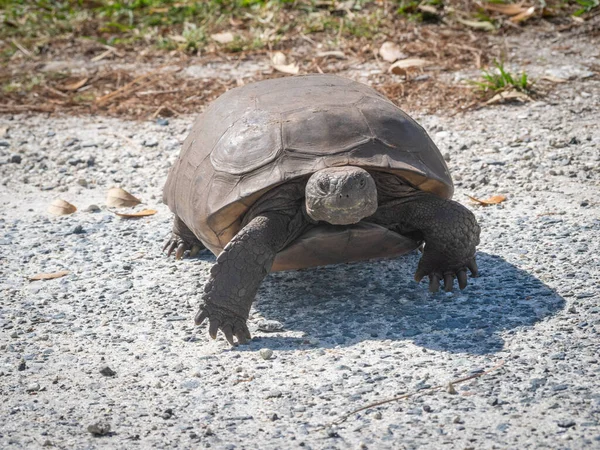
[181,240]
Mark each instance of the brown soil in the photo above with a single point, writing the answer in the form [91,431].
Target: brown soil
[78,76]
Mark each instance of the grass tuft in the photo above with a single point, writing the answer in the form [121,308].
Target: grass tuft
[500,79]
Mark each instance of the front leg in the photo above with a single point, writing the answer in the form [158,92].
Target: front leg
[240,268]
[450,232]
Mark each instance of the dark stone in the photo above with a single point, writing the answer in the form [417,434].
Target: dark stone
[566,423]
[107,372]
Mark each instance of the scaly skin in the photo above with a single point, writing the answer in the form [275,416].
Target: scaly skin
[240,268]
[181,240]
[450,232]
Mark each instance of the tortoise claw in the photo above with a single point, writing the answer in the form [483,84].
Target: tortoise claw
[462,279]
[172,247]
[213,328]
[434,282]
[181,250]
[448,281]
[195,250]
[228,332]
[472,265]
[201,317]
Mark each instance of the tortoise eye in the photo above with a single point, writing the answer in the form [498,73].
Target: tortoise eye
[323,184]
[362,183]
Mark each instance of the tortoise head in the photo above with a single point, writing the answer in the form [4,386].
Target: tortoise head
[341,195]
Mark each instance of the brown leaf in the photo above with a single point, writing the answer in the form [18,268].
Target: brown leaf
[401,67]
[507,9]
[391,52]
[137,214]
[118,197]
[223,38]
[523,16]
[49,276]
[75,85]
[61,207]
[493,200]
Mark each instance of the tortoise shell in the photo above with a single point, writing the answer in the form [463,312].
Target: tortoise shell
[258,136]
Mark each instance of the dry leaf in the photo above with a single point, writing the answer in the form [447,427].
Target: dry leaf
[278,60]
[390,52]
[223,38]
[292,69]
[76,85]
[508,95]
[61,207]
[428,9]
[477,24]
[523,16]
[401,67]
[49,276]
[508,9]
[554,79]
[177,38]
[494,200]
[118,197]
[135,215]
[333,53]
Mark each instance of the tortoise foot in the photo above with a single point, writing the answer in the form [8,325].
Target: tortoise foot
[182,239]
[227,321]
[179,246]
[440,269]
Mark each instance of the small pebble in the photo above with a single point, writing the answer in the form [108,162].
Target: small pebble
[150,143]
[567,423]
[92,208]
[16,159]
[78,229]
[270,326]
[107,372]
[450,389]
[266,353]
[99,428]
[33,387]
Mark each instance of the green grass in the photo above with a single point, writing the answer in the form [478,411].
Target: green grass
[500,79]
[586,6]
[127,22]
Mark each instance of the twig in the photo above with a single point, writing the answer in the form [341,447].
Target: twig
[102,55]
[345,417]
[131,85]
[23,49]
[169,91]
[56,92]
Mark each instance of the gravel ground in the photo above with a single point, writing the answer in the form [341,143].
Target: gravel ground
[108,357]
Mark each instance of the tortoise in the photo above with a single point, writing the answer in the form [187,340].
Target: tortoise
[305,171]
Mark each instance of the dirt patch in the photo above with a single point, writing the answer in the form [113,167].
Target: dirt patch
[81,76]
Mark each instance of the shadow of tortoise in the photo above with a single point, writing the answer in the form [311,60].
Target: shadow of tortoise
[347,303]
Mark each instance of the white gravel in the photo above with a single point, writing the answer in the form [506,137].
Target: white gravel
[108,356]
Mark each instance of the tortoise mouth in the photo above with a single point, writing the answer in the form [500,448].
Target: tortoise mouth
[341,195]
